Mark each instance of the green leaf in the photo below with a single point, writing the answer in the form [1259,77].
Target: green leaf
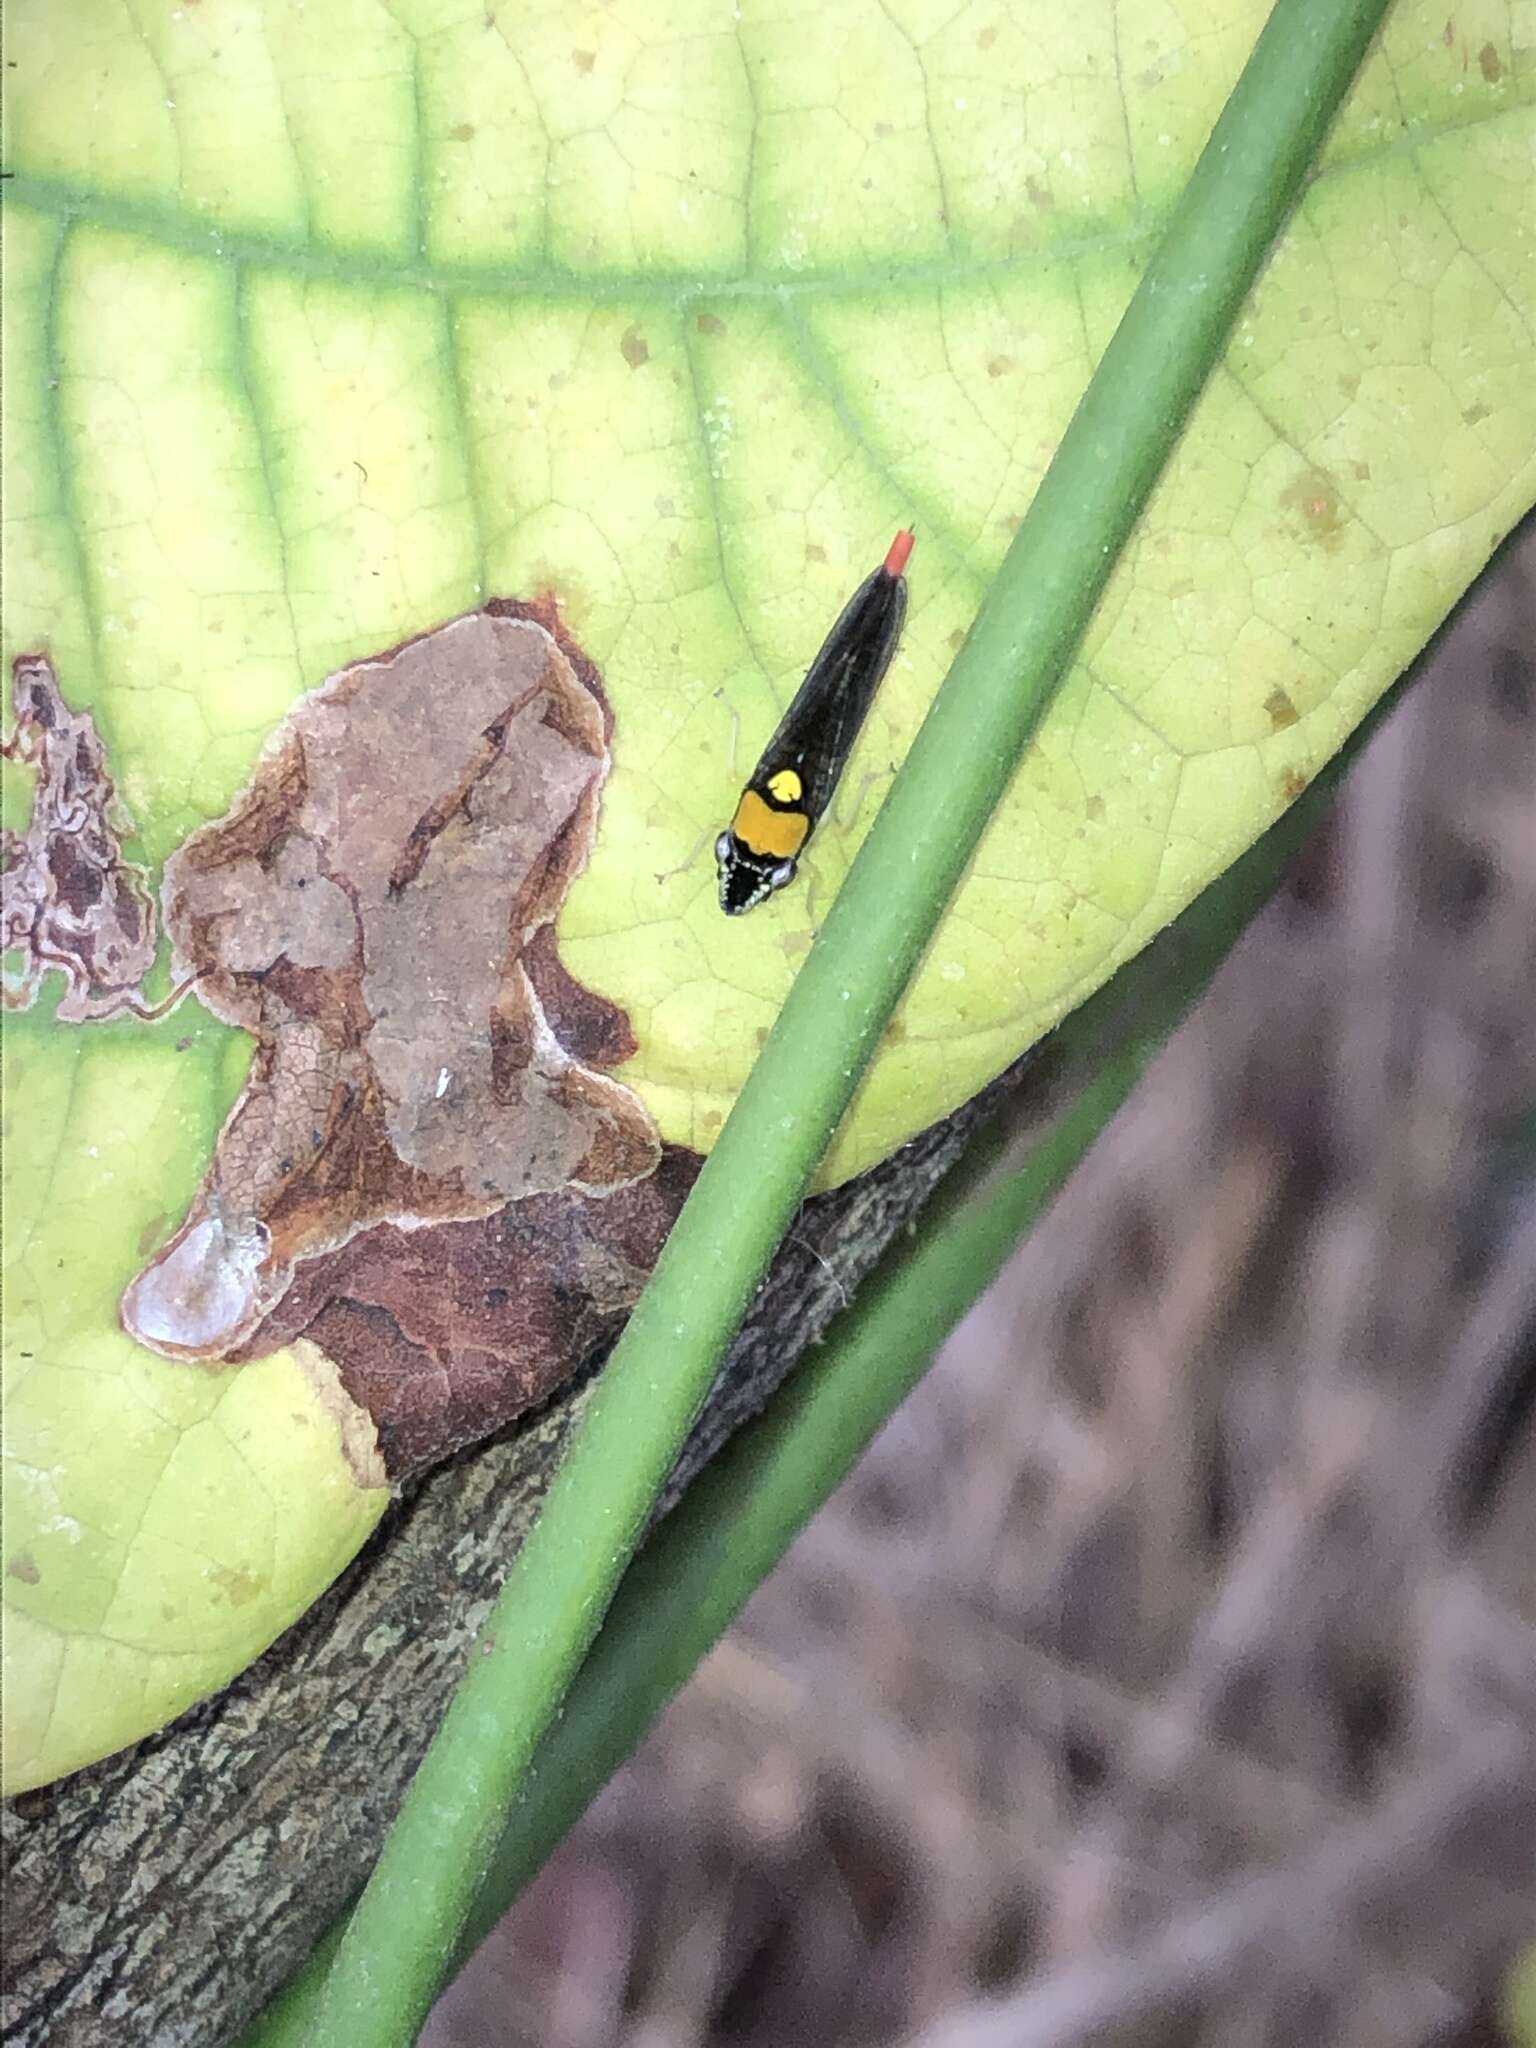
[160,1524]
[323,325]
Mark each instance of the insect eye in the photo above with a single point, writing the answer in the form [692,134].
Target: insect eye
[783,873]
[723,848]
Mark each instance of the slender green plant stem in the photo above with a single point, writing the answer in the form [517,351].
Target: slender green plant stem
[408,1922]
[739,1517]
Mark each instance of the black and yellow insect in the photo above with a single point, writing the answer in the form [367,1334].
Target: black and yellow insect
[793,782]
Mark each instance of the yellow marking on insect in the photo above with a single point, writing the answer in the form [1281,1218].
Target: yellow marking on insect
[785,787]
[761,829]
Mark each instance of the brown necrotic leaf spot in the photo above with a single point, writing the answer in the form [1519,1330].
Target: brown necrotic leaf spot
[72,903]
[428,1174]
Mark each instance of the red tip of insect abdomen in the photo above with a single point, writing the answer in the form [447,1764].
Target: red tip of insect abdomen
[896,555]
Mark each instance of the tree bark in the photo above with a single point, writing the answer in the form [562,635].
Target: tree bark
[165,1894]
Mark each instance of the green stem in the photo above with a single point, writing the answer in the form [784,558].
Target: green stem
[408,1922]
[736,1521]
[741,1514]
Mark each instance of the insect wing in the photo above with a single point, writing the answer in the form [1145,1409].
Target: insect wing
[816,734]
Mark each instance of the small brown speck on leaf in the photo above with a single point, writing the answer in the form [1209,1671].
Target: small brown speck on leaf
[1489,64]
[1315,496]
[583,59]
[427,1172]
[634,347]
[238,1587]
[23,1566]
[710,323]
[152,1233]
[1282,711]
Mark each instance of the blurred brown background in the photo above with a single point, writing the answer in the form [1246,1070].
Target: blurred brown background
[1167,1671]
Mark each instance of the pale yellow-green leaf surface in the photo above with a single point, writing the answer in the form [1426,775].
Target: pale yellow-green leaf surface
[326,323]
